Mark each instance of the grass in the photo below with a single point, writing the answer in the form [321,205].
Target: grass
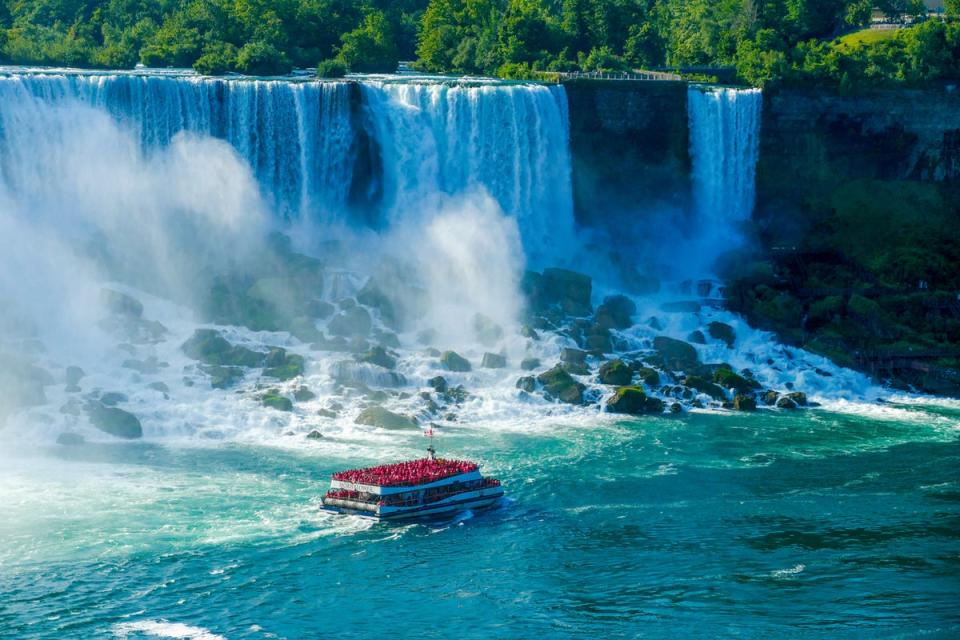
[864,37]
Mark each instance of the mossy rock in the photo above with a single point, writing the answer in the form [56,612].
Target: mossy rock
[770,398]
[527,383]
[529,364]
[799,397]
[303,394]
[616,373]
[223,377]
[378,355]
[676,354]
[743,402]
[702,385]
[559,384]
[114,421]
[633,400]
[786,403]
[649,376]
[353,322]
[438,383]
[291,367]
[573,356]
[208,346]
[377,416]
[722,331]
[493,361]
[273,400]
[730,380]
[453,361]
[616,312]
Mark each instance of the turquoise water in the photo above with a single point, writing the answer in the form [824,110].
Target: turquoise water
[816,525]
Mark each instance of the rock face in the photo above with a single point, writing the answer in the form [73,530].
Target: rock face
[743,402]
[616,312]
[353,322]
[559,384]
[274,400]
[207,345]
[560,289]
[616,373]
[453,361]
[377,416]
[722,331]
[114,421]
[676,354]
[493,361]
[633,401]
[378,356]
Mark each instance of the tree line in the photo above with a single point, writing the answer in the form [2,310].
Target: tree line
[765,41]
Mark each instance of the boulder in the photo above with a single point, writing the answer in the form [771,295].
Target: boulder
[73,375]
[70,439]
[121,304]
[303,394]
[326,413]
[633,401]
[559,384]
[527,383]
[529,364]
[702,385]
[770,397]
[616,312]
[159,386]
[654,324]
[378,356]
[616,373]
[377,416]
[113,398]
[373,294]
[676,354]
[562,289]
[114,421]
[438,383]
[676,407]
[529,332]
[743,402]
[274,400]
[286,367]
[493,361]
[697,337]
[223,377]
[573,356]
[363,375]
[598,344]
[649,376]
[730,380]
[353,322]
[453,361]
[208,346]
[487,332]
[799,397]
[786,403]
[722,331]
[314,435]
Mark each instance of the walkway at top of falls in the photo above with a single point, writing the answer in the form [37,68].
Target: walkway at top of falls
[614,75]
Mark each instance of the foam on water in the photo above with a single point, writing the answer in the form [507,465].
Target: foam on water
[163,629]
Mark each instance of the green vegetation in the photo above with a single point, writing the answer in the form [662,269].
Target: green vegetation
[766,41]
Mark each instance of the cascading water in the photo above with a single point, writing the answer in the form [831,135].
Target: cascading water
[296,137]
[509,140]
[724,144]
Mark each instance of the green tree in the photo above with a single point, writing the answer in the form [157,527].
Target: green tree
[371,47]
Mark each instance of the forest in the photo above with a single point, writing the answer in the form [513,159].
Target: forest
[764,42]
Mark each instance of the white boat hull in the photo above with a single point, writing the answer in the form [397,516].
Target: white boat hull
[470,500]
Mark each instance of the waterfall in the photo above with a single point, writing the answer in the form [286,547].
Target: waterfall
[509,140]
[724,143]
[296,137]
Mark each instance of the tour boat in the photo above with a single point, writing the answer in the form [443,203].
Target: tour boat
[413,489]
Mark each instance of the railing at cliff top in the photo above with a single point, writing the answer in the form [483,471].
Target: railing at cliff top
[613,75]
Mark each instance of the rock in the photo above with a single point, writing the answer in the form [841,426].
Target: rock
[378,356]
[703,385]
[274,400]
[799,397]
[616,312]
[561,385]
[575,368]
[326,413]
[529,364]
[649,376]
[70,439]
[374,296]
[697,337]
[567,291]
[527,383]
[222,377]
[208,346]
[317,308]
[654,324]
[438,383]
[303,394]
[159,386]
[770,397]
[676,354]
[362,375]
[598,344]
[453,361]
[743,402]
[730,380]
[113,398]
[346,304]
[146,367]
[722,331]
[114,421]
[616,373]
[73,376]
[573,356]
[304,329]
[633,401]
[387,338]
[681,306]
[377,416]
[493,361]
[354,322]
[456,395]
[488,332]
[121,304]
[529,332]
[676,407]
[314,435]
[283,365]
[786,403]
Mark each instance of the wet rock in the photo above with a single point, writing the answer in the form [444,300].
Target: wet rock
[730,380]
[378,356]
[273,400]
[317,308]
[676,407]
[654,324]
[338,343]
[722,331]
[598,344]
[71,407]
[697,337]
[575,368]
[387,339]
[374,296]
[681,306]
[649,376]
[121,304]
[113,398]
[529,364]
[346,304]
[633,401]
[676,354]
[438,383]
[433,353]
[159,386]
[70,439]
[303,394]
[456,395]
[314,435]
[702,385]
[377,416]
[326,413]
[146,367]
[529,332]
[770,398]
[616,373]
[493,361]
[361,375]
[114,421]
[616,312]
[287,366]
[527,383]
[353,322]
[73,375]
[559,384]
[488,332]
[208,346]
[222,377]
[743,402]
[786,403]
[453,361]
[561,289]
[799,397]
[304,329]
[573,356]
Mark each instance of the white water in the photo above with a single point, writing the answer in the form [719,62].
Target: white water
[724,144]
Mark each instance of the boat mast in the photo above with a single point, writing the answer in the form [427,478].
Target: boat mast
[430,449]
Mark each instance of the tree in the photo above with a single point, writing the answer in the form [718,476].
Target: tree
[371,47]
